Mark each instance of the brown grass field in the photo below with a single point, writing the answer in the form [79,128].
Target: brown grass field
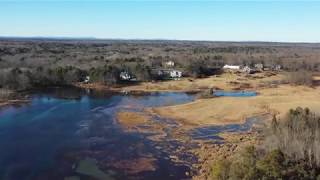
[229,110]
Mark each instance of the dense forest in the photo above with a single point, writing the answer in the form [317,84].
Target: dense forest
[27,63]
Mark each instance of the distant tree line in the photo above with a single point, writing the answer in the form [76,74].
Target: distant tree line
[42,63]
[233,49]
[109,74]
[203,68]
[22,78]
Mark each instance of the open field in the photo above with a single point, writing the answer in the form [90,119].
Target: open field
[229,110]
[273,97]
[225,81]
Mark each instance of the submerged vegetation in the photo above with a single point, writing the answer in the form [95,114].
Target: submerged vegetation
[290,151]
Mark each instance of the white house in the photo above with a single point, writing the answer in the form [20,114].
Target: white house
[175,74]
[169,64]
[167,73]
[231,67]
[86,79]
[247,69]
[259,67]
[125,76]
[277,67]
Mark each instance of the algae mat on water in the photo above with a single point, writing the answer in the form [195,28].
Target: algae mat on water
[89,167]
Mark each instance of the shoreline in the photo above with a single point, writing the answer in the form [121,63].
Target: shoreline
[233,110]
[127,89]
[273,97]
[5,103]
[205,150]
[225,81]
[200,113]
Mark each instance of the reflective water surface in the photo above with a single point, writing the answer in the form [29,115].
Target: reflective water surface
[73,134]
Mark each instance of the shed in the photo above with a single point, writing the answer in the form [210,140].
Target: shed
[231,67]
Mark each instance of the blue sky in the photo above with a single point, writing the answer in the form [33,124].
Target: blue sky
[286,21]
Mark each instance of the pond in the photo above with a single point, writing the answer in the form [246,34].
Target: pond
[73,133]
[212,132]
[235,93]
[44,139]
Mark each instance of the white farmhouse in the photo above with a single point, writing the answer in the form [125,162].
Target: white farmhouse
[277,67]
[259,67]
[231,67]
[247,69]
[125,76]
[175,74]
[86,79]
[169,64]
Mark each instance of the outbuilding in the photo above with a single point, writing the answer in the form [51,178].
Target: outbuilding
[86,79]
[175,74]
[169,64]
[125,76]
[231,67]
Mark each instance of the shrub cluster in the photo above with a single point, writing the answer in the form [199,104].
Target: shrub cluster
[22,79]
[298,136]
[300,77]
[291,151]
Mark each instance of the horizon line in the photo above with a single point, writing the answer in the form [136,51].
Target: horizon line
[149,39]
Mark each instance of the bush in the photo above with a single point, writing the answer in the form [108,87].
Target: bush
[107,74]
[142,72]
[272,165]
[56,76]
[220,170]
[5,93]
[291,151]
[301,77]
[244,166]
[198,69]
[298,136]
[250,165]
[15,79]
[206,94]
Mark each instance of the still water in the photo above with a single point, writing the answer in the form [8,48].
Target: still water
[73,134]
